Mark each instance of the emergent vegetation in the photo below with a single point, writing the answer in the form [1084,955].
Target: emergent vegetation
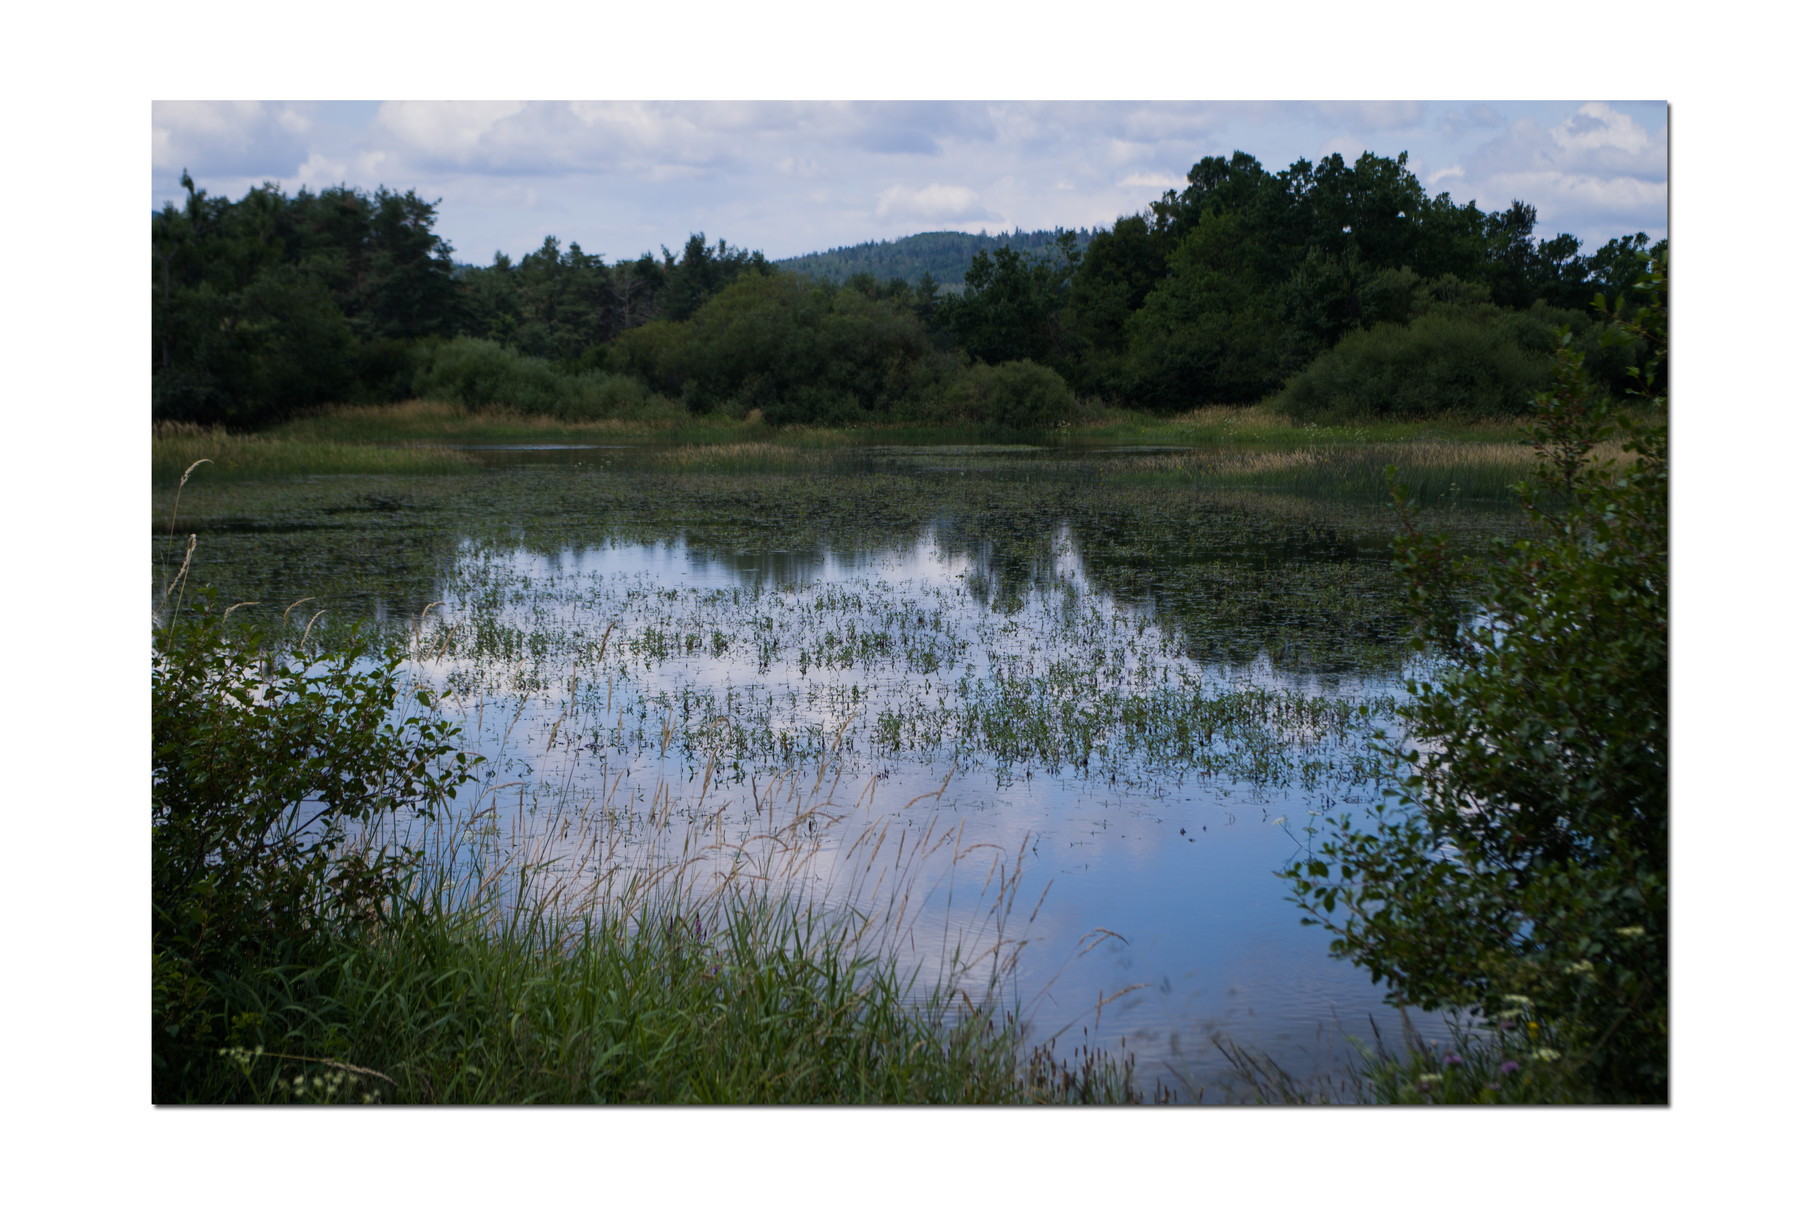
[325,931]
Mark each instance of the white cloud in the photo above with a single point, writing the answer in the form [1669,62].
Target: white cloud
[1122,151]
[935,202]
[451,130]
[1596,126]
[240,138]
[1157,180]
[1597,172]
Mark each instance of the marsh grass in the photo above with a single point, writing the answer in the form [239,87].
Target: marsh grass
[1435,473]
[177,446]
[560,957]
[1095,426]
[1256,427]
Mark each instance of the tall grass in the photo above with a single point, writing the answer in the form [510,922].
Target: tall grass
[620,947]
[176,446]
[1435,472]
[509,972]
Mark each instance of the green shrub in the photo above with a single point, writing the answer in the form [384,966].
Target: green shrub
[1030,396]
[1449,360]
[263,769]
[603,395]
[479,374]
[1518,867]
[1019,394]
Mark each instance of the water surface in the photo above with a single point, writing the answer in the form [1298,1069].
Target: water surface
[1099,712]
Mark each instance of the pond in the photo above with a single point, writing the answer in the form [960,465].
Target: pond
[1080,708]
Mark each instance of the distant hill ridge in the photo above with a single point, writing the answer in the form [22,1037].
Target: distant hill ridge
[943,254]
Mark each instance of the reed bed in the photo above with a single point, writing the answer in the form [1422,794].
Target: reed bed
[177,446]
[1433,472]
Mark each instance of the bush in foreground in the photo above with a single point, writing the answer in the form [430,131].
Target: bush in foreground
[1518,868]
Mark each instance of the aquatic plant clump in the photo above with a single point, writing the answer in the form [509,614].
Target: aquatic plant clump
[1063,683]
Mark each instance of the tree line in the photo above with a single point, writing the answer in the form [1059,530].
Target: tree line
[1322,289]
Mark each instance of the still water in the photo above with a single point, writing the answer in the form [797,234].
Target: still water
[1012,703]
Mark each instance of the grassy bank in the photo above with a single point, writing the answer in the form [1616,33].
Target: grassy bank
[1098,426]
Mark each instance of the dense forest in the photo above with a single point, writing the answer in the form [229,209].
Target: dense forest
[942,255]
[1321,290]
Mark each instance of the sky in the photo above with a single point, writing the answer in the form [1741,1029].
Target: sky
[788,177]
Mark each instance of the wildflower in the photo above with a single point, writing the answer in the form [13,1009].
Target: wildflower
[1547,1054]
[1453,1059]
[1520,1001]
[1510,1067]
[1630,931]
[1533,1029]
[1582,967]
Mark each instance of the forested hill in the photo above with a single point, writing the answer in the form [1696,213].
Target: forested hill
[943,254]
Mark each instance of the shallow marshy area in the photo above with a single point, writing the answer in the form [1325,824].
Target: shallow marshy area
[1045,722]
